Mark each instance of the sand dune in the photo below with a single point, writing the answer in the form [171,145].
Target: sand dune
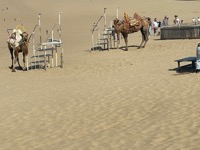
[100,100]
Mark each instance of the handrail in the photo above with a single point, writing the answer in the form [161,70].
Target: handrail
[56,24]
[33,32]
[96,24]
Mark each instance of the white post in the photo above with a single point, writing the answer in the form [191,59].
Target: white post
[40,35]
[39,23]
[104,19]
[52,63]
[117,12]
[59,22]
[93,29]
[33,42]
[56,55]
[45,58]
[60,42]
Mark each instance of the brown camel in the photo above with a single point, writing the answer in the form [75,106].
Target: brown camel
[128,26]
[16,49]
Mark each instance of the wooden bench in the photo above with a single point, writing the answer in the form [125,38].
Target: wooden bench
[187,59]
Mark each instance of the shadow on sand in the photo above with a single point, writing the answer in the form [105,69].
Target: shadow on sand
[121,48]
[186,69]
[124,47]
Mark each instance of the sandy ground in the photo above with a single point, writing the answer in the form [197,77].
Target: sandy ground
[100,100]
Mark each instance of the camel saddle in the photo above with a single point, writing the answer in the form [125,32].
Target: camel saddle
[131,22]
[134,22]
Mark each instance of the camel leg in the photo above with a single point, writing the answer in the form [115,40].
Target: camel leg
[118,40]
[18,62]
[15,59]
[126,40]
[24,61]
[16,51]
[12,57]
[145,38]
[27,67]
[142,39]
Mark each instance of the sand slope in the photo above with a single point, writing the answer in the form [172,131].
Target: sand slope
[108,100]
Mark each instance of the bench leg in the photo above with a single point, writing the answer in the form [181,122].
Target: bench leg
[178,65]
[193,65]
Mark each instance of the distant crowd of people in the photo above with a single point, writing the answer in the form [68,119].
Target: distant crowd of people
[196,21]
[155,24]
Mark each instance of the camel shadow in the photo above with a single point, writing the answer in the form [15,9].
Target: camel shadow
[31,67]
[37,67]
[18,68]
[124,47]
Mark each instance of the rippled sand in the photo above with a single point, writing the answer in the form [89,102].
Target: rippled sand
[100,100]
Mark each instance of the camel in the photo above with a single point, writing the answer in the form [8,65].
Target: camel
[128,26]
[16,46]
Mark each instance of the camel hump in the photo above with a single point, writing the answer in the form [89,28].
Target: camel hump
[137,17]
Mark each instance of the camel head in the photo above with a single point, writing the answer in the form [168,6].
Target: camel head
[116,21]
[24,36]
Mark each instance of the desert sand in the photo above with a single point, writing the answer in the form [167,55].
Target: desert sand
[100,100]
